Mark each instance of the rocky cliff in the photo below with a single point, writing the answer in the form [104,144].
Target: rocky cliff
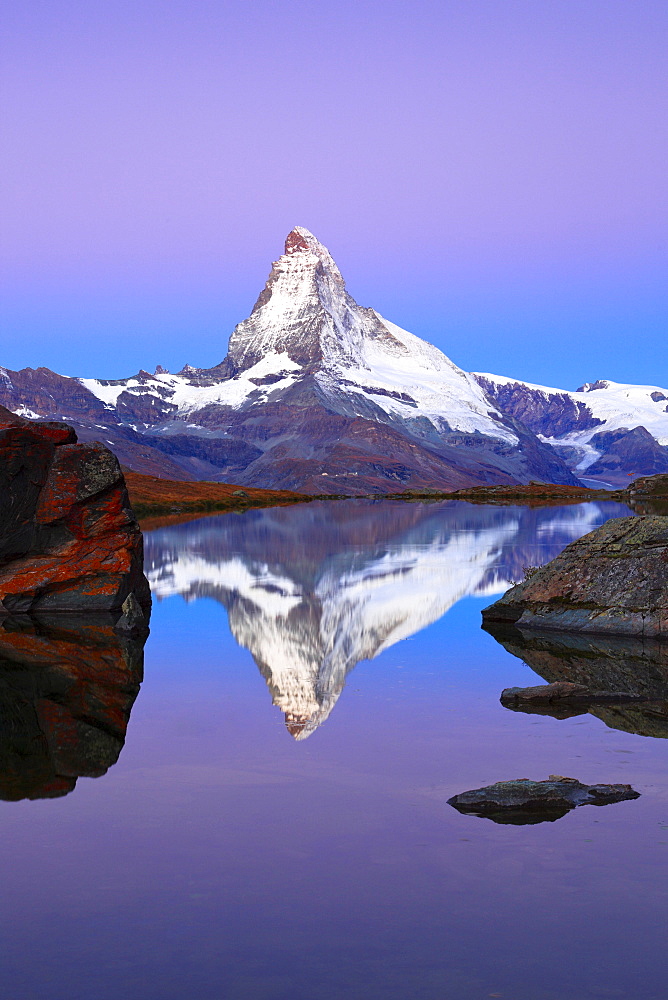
[69,540]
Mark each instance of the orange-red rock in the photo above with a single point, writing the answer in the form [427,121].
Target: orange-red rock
[69,540]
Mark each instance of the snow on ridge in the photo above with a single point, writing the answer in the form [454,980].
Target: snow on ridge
[602,386]
[305,307]
[509,380]
[108,394]
[24,411]
[618,404]
[439,387]
[187,397]
[318,249]
[305,312]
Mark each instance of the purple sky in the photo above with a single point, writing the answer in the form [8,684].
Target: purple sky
[489,175]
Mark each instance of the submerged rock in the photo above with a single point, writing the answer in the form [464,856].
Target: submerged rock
[613,580]
[545,694]
[524,801]
[561,699]
[626,678]
[69,540]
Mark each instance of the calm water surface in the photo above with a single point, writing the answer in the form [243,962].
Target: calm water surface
[316,686]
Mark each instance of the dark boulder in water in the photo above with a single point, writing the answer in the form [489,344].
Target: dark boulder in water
[612,581]
[561,699]
[626,679]
[545,694]
[523,801]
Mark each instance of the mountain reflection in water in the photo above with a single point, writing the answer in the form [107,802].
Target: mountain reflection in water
[313,589]
[67,686]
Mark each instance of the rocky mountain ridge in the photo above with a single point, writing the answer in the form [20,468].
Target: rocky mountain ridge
[321,395]
[316,394]
[605,431]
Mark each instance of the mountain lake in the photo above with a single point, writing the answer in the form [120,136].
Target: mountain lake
[317,685]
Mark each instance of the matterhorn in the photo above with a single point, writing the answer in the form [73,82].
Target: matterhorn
[316,393]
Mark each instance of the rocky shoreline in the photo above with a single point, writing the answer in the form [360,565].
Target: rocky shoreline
[69,540]
[648,495]
[612,581]
[153,497]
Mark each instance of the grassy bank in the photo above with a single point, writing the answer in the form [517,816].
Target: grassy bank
[152,497]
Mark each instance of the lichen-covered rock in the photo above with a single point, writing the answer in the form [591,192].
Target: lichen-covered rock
[525,801]
[613,580]
[69,540]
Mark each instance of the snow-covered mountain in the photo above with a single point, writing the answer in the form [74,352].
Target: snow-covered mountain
[605,431]
[312,590]
[316,393]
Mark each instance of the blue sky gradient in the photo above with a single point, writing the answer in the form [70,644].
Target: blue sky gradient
[489,175]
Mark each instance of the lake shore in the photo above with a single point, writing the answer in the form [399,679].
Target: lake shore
[152,497]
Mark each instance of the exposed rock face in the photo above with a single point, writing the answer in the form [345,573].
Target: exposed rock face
[552,413]
[68,538]
[524,801]
[316,394]
[67,686]
[635,450]
[613,580]
[604,431]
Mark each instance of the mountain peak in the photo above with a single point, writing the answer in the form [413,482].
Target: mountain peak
[298,239]
[303,307]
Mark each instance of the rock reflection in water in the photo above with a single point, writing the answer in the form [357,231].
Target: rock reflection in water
[67,686]
[632,668]
[312,590]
